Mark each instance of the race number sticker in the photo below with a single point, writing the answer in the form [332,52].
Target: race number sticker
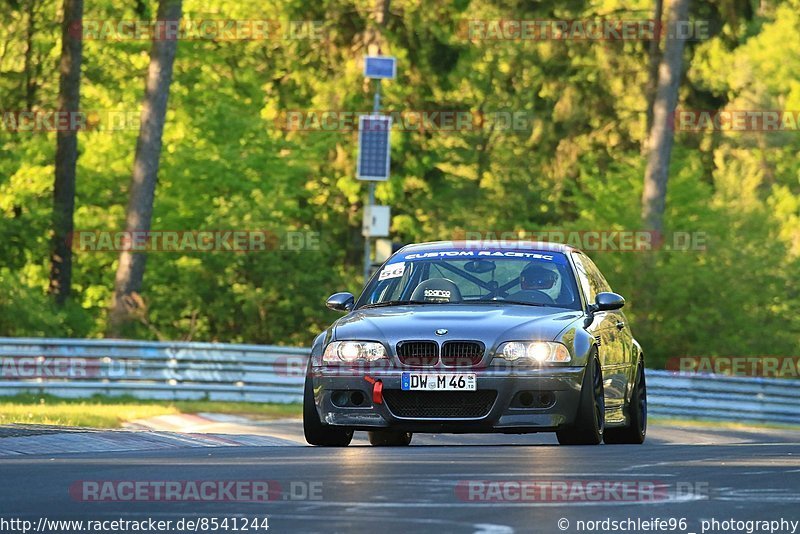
[392,271]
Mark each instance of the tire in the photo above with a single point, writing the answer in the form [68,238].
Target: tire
[587,429]
[317,432]
[389,438]
[636,430]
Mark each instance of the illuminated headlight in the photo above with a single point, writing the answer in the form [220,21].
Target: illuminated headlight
[535,352]
[351,351]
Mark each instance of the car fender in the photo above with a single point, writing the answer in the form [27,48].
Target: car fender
[634,363]
[318,347]
[579,342]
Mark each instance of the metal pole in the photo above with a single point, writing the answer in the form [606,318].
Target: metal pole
[367,242]
[376,103]
[376,108]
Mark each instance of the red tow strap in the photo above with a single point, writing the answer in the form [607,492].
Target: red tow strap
[377,389]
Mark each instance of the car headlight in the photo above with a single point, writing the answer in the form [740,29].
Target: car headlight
[352,351]
[533,352]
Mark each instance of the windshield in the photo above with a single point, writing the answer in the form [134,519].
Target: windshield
[529,277]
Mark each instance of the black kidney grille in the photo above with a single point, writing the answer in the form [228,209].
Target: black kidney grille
[462,353]
[418,353]
[440,404]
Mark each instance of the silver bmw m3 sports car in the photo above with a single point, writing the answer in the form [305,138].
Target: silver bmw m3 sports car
[461,337]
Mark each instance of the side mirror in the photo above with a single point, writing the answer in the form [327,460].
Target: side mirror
[341,302]
[607,301]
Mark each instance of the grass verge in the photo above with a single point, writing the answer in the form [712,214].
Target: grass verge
[725,425]
[112,412]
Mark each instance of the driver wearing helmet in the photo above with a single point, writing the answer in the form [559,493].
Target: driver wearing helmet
[539,283]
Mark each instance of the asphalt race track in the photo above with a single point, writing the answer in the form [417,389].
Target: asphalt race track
[698,474]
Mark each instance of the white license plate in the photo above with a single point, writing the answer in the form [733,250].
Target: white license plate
[438,382]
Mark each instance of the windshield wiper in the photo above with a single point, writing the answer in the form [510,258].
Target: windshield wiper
[506,301]
[391,303]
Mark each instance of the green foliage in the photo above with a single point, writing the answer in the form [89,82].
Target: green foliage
[573,163]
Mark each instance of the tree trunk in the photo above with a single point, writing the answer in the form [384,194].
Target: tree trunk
[66,155]
[654,58]
[30,68]
[130,271]
[661,134]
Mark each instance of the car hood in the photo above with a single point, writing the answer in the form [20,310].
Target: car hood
[491,324]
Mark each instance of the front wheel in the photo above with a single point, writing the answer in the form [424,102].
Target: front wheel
[636,429]
[587,429]
[317,432]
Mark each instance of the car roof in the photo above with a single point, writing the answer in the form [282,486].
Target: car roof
[489,244]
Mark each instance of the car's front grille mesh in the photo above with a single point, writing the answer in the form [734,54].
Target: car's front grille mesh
[418,353]
[440,404]
[462,353]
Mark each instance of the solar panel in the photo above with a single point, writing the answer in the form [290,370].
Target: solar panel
[380,67]
[373,147]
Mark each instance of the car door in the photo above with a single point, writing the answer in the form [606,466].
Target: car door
[609,328]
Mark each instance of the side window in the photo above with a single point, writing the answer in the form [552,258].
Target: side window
[592,280]
[390,289]
[595,274]
[583,278]
[596,278]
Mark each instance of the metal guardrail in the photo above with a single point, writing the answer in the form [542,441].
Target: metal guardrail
[79,368]
[723,398]
[257,373]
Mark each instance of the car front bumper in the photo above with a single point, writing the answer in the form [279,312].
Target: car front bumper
[505,414]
